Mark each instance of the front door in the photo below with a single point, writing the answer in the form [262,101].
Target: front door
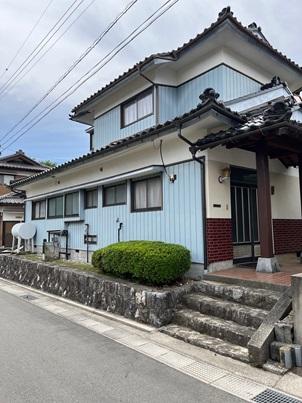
[245,232]
[7,233]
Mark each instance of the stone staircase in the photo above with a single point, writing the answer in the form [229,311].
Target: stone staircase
[221,317]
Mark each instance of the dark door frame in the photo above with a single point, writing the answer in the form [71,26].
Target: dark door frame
[253,242]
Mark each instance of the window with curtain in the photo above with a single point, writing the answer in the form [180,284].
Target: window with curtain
[147,194]
[55,207]
[38,209]
[115,195]
[137,108]
[6,179]
[91,198]
[72,204]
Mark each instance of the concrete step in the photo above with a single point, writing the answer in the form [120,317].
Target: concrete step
[219,328]
[254,297]
[204,341]
[242,314]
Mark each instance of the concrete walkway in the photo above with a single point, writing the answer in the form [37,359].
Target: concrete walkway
[233,377]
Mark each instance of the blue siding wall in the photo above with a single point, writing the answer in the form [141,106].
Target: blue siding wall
[236,85]
[107,127]
[180,221]
[175,101]
[168,107]
[227,82]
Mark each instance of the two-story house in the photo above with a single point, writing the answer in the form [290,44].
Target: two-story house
[175,143]
[13,167]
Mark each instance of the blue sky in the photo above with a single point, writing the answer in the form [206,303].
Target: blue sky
[56,137]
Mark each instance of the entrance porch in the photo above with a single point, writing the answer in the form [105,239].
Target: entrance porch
[270,135]
[289,264]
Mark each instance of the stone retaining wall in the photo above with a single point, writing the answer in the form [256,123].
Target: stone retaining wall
[153,306]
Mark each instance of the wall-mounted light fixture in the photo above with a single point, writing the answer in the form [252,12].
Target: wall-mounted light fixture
[225,174]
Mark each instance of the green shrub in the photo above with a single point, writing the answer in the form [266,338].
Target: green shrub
[149,262]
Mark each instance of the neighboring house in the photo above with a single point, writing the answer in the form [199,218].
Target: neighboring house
[13,167]
[171,160]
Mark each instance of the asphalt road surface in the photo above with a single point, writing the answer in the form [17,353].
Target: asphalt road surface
[45,358]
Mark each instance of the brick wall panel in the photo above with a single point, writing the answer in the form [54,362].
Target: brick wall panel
[287,235]
[219,239]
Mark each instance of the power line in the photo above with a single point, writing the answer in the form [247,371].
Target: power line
[54,43]
[97,67]
[27,38]
[40,46]
[73,66]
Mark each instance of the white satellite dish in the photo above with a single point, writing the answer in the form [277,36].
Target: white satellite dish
[15,230]
[25,231]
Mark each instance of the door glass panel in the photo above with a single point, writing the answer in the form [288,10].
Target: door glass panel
[234,215]
[245,233]
[246,214]
[239,214]
[254,214]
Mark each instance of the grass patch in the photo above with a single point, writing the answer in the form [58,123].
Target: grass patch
[61,262]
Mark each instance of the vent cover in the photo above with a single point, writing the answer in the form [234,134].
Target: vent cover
[272,396]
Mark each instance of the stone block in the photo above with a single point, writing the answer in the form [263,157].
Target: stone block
[284,332]
[267,265]
[153,306]
[297,306]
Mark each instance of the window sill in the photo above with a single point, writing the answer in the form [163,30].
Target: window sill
[73,219]
[137,120]
[146,210]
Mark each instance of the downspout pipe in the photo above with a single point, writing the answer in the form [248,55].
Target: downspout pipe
[201,161]
[156,92]
[87,242]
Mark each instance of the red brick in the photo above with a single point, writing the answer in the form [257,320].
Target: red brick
[287,235]
[219,239]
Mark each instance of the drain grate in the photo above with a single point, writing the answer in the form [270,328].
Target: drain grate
[28,297]
[272,396]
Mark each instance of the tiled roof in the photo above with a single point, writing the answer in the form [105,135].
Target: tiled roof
[19,160]
[275,116]
[225,14]
[12,199]
[208,102]
[23,167]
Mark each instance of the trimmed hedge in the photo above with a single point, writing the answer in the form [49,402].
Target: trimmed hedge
[148,262]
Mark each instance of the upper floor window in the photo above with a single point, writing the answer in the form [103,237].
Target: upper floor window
[114,195]
[38,209]
[72,204]
[91,198]
[55,207]
[137,107]
[6,179]
[147,194]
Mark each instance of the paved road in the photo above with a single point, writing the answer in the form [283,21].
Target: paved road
[45,358]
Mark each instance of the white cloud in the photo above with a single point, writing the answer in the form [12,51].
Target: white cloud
[184,21]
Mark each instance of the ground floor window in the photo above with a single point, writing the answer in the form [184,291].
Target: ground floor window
[115,195]
[91,198]
[72,204]
[55,207]
[147,194]
[38,209]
